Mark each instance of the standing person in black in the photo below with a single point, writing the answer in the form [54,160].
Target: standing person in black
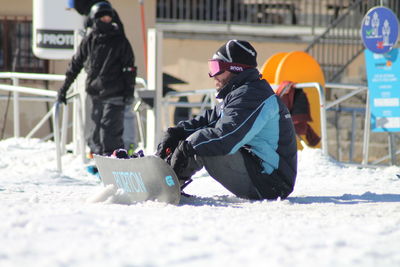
[108,59]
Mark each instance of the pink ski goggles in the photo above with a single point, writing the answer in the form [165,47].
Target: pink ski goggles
[216,67]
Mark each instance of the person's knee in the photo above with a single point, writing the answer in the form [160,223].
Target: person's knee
[194,165]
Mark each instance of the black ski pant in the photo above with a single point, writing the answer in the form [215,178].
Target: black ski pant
[240,173]
[104,124]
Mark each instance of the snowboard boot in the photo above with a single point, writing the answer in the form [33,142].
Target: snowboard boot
[139,154]
[92,169]
[120,153]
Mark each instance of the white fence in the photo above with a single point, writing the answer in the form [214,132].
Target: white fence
[60,131]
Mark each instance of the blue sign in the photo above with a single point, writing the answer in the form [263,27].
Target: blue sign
[383,74]
[380,30]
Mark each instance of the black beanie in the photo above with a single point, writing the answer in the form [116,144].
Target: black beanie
[237,51]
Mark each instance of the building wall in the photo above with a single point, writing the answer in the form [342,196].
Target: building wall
[16,7]
[187,59]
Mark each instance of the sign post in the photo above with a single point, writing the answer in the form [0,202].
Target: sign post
[380,32]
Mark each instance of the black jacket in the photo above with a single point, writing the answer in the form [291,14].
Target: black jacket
[249,117]
[108,59]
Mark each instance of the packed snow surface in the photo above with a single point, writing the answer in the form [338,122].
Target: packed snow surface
[336,216]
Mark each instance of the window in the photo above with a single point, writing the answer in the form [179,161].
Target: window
[16,47]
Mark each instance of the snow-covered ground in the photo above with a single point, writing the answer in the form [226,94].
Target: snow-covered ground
[337,216]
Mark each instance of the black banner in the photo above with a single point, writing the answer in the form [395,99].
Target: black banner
[56,39]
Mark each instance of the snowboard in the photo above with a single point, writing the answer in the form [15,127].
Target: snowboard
[142,179]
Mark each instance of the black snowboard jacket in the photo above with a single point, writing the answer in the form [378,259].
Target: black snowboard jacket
[108,60]
[252,117]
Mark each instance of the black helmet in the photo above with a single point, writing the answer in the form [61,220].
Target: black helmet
[101,9]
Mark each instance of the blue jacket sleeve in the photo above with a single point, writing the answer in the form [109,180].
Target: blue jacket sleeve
[234,127]
[206,119]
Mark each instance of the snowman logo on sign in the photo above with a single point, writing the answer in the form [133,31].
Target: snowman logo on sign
[386,33]
[375,24]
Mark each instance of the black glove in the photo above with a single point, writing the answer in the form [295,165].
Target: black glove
[170,141]
[62,95]
[182,161]
[128,99]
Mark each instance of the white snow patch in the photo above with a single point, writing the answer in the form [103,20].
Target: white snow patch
[336,216]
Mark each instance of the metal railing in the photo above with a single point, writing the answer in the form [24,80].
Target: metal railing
[59,131]
[309,13]
[16,90]
[141,86]
[46,95]
[335,24]
[324,107]
[355,90]
[334,106]
[210,93]
[208,101]
[340,44]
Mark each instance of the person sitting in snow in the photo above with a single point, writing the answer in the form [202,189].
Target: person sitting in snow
[247,142]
